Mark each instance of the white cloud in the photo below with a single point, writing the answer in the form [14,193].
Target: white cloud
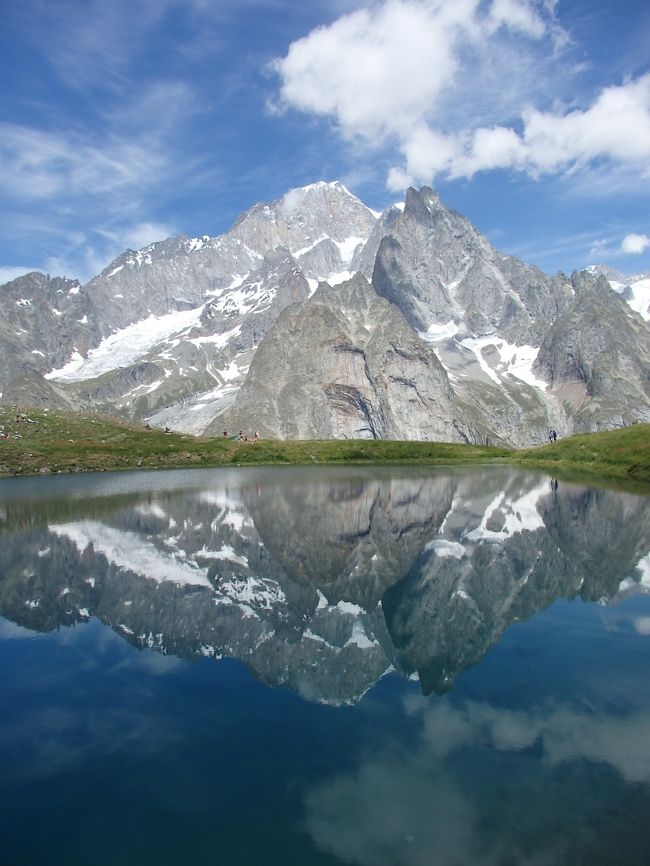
[518,15]
[377,70]
[635,244]
[600,249]
[10,272]
[37,165]
[138,235]
[616,126]
[92,44]
[113,176]
[457,87]
[83,258]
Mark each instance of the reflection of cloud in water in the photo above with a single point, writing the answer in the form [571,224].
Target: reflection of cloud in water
[150,662]
[55,739]
[395,810]
[413,806]
[642,625]
[565,734]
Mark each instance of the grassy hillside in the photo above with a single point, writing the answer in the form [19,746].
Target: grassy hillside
[623,453]
[44,442]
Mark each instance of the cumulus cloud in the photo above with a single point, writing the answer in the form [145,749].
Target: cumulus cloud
[635,244]
[461,88]
[377,70]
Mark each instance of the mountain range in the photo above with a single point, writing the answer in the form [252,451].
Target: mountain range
[317,317]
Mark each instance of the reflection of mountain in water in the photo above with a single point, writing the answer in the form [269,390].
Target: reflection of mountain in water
[323,582]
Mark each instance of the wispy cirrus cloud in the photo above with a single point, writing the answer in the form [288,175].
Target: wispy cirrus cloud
[37,165]
[90,45]
[66,175]
[95,189]
[10,272]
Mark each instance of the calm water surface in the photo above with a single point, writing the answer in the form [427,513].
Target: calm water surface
[292,666]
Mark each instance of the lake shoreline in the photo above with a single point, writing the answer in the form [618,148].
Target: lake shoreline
[38,442]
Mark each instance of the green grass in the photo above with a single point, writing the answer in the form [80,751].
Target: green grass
[62,442]
[622,454]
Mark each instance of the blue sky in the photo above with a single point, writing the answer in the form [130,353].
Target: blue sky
[127,121]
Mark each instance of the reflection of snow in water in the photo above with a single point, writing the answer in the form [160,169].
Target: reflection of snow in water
[641,579]
[151,509]
[130,552]
[516,515]
[233,512]
[260,592]
[442,547]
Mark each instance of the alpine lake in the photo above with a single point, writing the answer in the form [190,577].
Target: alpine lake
[338,665]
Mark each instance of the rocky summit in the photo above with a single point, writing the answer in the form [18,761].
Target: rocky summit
[316,317]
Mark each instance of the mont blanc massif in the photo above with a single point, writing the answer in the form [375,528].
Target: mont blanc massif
[315,317]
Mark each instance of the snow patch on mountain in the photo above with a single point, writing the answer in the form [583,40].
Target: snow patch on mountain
[635,289]
[349,246]
[516,361]
[262,593]
[219,340]
[439,331]
[227,553]
[639,297]
[126,346]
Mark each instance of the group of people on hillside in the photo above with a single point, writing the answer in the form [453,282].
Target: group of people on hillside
[242,437]
[238,437]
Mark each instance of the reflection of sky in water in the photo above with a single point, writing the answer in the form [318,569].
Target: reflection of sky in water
[427,801]
[539,754]
[476,782]
[525,769]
